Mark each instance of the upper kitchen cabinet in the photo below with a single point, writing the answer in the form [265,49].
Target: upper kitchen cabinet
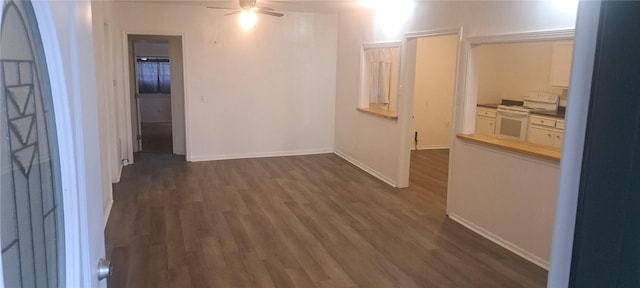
[561,64]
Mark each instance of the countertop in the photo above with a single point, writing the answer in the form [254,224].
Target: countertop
[492,106]
[557,114]
[522,147]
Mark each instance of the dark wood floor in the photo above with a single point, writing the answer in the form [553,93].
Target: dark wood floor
[307,221]
[157,138]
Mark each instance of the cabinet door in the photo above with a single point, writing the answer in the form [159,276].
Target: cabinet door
[485,125]
[558,137]
[561,64]
[540,136]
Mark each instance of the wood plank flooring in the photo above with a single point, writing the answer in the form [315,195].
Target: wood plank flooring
[157,137]
[304,221]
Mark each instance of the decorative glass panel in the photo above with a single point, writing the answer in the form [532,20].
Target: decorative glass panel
[30,199]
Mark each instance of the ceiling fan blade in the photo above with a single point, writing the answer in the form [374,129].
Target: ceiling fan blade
[270,13]
[232,13]
[221,8]
[265,8]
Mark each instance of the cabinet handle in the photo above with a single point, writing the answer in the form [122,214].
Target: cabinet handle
[549,135]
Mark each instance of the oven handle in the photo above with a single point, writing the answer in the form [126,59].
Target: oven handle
[515,113]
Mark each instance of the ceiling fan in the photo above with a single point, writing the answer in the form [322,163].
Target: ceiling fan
[249,5]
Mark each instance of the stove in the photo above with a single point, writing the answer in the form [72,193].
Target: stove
[512,120]
[534,101]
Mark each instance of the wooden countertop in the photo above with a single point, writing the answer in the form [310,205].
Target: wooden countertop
[522,147]
[391,115]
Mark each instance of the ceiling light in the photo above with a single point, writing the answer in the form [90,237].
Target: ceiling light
[247,20]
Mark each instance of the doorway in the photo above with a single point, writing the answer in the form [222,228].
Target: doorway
[157,102]
[434,81]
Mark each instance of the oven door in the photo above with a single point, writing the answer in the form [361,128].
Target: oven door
[512,124]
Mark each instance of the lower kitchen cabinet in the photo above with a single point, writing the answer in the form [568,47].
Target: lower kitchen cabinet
[545,136]
[485,121]
[546,131]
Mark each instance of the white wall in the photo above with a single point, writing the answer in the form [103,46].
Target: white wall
[434,90]
[505,197]
[360,137]
[111,151]
[155,108]
[508,71]
[264,92]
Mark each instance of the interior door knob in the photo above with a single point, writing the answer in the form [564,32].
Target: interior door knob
[104,269]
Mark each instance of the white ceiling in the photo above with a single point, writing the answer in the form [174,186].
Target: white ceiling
[319,6]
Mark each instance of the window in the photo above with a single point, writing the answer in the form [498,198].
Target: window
[154,75]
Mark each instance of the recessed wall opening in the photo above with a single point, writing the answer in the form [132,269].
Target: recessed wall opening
[157,102]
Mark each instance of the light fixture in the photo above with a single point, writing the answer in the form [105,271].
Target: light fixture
[247,19]
[390,14]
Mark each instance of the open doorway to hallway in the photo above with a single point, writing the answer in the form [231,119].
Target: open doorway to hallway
[434,82]
[157,102]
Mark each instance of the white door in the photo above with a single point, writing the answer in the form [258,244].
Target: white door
[51,199]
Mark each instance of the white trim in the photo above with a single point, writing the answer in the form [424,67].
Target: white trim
[66,144]
[127,86]
[576,125]
[432,33]
[545,35]
[119,174]
[1,265]
[107,212]
[366,168]
[363,100]
[259,155]
[431,147]
[502,242]
[407,90]
[384,44]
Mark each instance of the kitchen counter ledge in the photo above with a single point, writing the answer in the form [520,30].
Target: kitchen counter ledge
[522,147]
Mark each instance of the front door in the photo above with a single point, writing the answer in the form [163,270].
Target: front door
[50,197]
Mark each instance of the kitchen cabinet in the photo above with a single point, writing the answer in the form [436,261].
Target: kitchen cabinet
[546,131]
[561,64]
[485,121]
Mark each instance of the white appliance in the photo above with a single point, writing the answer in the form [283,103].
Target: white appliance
[512,120]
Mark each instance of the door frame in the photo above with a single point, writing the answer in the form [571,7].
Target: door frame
[127,86]
[73,93]
[407,86]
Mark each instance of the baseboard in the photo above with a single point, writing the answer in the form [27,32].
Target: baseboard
[366,168]
[107,212]
[432,147]
[258,155]
[502,242]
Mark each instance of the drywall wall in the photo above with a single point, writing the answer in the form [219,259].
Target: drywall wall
[373,142]
[509,70]
[496,195]
[108,113]
[155,108]
[381,147]
[434,91]
[262,92]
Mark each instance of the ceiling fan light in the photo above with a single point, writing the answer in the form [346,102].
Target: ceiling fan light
[247,20]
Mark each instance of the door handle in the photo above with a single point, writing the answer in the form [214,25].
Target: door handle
[105,269]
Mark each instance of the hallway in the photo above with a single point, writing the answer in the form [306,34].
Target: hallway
[303,221]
